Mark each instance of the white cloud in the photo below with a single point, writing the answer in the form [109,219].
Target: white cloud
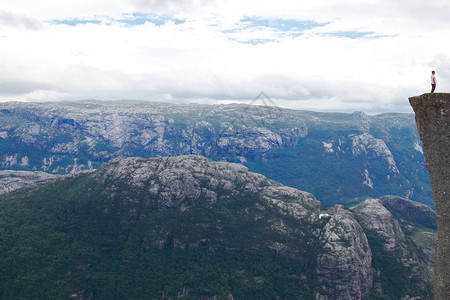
[351,56]
[12,19]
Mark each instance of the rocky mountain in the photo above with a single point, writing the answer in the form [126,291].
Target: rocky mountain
[340,158]
[405,230]
[188,227]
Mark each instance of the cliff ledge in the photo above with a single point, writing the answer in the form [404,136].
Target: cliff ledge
[433,122]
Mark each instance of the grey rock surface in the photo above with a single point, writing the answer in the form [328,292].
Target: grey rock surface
[106,130]
[374,216]
[344,266]
[407,207]
[433,123]
[422,214]
[180,181]
[377,215]
[12,180]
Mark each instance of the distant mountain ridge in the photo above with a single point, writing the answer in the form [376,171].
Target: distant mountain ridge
[12,180]
[340,158]
[189,227]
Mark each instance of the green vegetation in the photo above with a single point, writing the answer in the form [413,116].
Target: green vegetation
[423,237]
[70,237]
[337,177]
[104,147]
[63,138]
[392,279]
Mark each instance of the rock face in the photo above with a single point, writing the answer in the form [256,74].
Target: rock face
[344,267]
[377,216]
[366,143]
[420,214]
[105,130]
[179,182]
[433,122]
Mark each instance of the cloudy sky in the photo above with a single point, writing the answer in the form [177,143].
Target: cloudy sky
[324,55]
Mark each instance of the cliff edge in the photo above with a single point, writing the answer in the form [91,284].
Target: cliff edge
[433,123]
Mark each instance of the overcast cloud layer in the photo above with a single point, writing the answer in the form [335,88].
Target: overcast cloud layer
[312,55]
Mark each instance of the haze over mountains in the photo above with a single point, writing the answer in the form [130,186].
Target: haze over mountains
[340,158]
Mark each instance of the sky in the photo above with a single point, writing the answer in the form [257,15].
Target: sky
[322,55]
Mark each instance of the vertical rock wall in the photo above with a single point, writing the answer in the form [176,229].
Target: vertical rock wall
[433,122]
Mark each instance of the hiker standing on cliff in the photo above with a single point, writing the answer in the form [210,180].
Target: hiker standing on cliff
[433,81]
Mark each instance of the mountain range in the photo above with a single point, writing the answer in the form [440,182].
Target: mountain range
[340,158]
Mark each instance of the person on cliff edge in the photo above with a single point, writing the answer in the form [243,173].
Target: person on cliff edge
[433,81]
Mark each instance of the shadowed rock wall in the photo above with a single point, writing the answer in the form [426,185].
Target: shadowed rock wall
[433,122]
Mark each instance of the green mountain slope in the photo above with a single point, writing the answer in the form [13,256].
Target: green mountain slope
[189,227]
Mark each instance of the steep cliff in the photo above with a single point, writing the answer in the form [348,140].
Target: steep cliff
[407,240]
[433,122]
[344,267]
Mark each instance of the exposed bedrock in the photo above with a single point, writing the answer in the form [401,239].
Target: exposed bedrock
[433,122]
